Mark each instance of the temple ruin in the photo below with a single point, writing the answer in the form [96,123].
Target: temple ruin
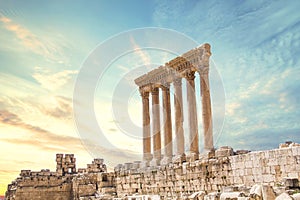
[186,66]
[215,174]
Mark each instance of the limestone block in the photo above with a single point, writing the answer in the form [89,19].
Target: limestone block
[296,196]
[248,164]
[284,196]
[237,180]
[231,195]
[272,154]
[268,192]
[127,166]
[257,171]
[267,178]
[197,195]
[230,189]
[258,178]
[282,159]
[266,170]
[241,172]
[256,192]
[253,156]
[272,162]
[295,151]
[257,163]
[284,145]
[278,190]
[241,152]
[224,151]
[248,172]
[293,175]
[226,167]
[233,165]
[212,196]
[249,180]
[240,165]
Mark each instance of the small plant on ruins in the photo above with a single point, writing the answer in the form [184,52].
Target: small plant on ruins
[296,191]
[279,184]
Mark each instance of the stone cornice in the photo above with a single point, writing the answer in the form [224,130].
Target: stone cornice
[196,59]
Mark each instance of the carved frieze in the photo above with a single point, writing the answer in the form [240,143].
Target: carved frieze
[194,60]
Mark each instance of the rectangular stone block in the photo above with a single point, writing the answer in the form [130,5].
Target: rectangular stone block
[257,163]
[266,170]
[241,172]
[240,165]
[290,168]
[272,162]
[237,180]
[293,175]
[248,164]
[267,178]
[295,151]
[248,172]
[258,178]
[248,180]
[257,171]
[224,152]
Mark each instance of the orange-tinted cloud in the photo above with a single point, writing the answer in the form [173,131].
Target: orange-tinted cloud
[40,137]
[63,108]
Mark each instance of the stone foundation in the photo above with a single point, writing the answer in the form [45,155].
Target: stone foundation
[226,172]
[225,169]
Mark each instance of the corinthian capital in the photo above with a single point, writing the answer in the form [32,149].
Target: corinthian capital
[144,93]
[154,90]
[177,81]
[189,75]
[166,87]
[203,70]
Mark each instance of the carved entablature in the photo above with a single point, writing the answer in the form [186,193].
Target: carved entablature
[194,60]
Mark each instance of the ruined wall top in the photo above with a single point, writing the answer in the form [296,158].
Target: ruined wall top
[196,59]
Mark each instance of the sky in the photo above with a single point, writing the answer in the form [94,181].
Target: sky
[52,51]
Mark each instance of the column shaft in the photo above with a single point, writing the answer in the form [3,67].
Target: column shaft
[156,124]
[192,112]
[146,127]
[178,117]
[167,122]
[206,112]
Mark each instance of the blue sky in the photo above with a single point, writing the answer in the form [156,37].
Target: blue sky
[43,44]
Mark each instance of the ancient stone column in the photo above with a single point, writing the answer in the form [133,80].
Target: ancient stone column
[192,112]
[178,117]
[206,111]
[167,125]
[146,126]
[156,127]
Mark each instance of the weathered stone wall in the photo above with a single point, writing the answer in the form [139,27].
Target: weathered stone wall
[65,183]
[180,179]
[269,167]
[89,184]
[40,185]
[62,192]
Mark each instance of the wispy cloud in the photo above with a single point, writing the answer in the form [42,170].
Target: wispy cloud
[140,52]
[231,108]
[53,81]
[40,45]
[62,108]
